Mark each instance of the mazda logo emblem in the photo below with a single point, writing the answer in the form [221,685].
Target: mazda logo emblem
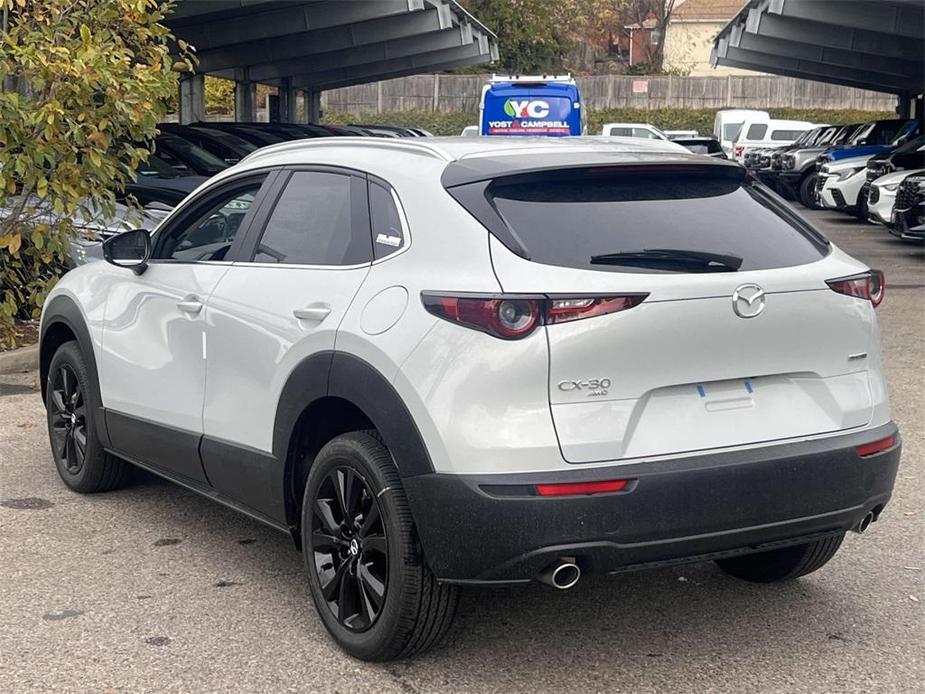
[748,301]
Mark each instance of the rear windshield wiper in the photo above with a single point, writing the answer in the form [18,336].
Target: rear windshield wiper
[671,258]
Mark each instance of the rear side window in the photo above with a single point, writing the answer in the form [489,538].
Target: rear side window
[387,229]
[313,223]
[788,135]
[756,131]
[679,220]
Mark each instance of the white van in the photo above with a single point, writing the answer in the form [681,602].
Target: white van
[727,123]
[756,133]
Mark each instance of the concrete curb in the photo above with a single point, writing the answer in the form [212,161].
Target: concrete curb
[17,360]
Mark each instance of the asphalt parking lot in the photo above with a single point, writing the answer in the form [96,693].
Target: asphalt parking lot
[153,589]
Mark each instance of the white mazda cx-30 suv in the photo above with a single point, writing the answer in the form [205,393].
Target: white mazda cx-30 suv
[474,360]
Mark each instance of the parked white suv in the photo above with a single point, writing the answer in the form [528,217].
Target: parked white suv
[882,195]
[437,362]
[839,184]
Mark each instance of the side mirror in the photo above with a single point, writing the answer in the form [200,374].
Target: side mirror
[862,141]
[130,249]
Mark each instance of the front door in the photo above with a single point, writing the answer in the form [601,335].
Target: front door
[152,373]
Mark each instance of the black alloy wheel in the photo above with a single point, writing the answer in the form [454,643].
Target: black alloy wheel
[71,403]
[68,419]
[366,568]
[350,548]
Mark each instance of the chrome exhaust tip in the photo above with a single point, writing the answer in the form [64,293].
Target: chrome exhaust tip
[864,523]
[562,575]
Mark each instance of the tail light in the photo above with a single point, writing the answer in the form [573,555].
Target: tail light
[514,316]
[875,447]
[869,285]
[737,151]
[581,488]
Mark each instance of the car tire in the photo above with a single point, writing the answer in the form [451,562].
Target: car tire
[808,192]
[369,554]
[82,463]
[861,209]
[783,564]
[783,190]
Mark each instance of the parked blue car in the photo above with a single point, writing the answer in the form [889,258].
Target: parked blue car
[875,137]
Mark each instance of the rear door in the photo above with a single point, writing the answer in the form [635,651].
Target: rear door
[304,262]
[738,340]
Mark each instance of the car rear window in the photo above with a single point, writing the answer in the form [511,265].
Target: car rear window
[786,135]
[590,219]
[700,146]
[756,131]
[731,131]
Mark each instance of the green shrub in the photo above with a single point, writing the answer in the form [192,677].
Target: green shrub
[81,83]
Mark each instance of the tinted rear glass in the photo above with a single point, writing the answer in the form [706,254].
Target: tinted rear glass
[786,135]
[756,131]
[701,146]
[571,220]
[312,224]
[388,232]
[731,131]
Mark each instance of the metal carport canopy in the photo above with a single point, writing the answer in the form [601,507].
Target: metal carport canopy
[869,44]
[322,44]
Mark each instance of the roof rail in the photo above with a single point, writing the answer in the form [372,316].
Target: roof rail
[412,145]
[566,78]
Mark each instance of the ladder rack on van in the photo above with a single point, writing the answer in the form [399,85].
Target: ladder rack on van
[533,79]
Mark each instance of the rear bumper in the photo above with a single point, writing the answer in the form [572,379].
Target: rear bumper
[492,528]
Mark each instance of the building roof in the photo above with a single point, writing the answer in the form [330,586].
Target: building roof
[720,10]
[868,44]
[326,44]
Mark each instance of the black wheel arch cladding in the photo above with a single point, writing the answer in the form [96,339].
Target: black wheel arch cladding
[61,319]
[344,376]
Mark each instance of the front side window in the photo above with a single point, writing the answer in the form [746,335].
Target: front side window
[756,131]
[209,236]
[313,224]
[645,133]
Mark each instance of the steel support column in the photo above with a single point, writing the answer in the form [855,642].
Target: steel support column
[245,101]
[192,98]
[312,104]
[288,101]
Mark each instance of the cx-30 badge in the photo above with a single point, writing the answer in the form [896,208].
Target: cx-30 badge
[592,388]
[748,301]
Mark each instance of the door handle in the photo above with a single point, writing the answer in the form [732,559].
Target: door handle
[316,312]
[190,305]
